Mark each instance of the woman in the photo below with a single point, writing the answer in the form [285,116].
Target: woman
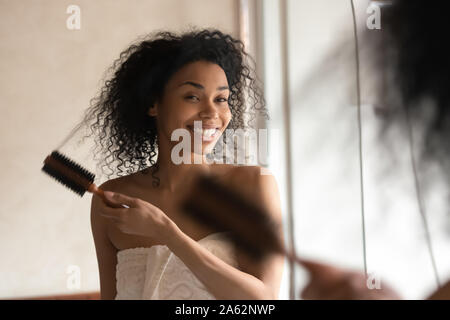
[151,250]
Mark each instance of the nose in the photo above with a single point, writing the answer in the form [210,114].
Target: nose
[209,110]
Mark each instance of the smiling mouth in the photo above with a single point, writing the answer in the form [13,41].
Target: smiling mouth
[206,134]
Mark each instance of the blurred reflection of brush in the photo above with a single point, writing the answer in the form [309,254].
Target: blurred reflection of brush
[73,176]
[216,205]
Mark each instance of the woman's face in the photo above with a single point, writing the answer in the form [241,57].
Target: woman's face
[197,92]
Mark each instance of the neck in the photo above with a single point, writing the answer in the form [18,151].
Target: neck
[173,176]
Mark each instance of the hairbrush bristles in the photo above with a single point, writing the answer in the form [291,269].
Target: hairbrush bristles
[68,173]
[218,206]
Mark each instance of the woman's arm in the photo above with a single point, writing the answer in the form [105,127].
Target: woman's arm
[221,279]
[442,293]
[106,252]
[254,280]
[257,280]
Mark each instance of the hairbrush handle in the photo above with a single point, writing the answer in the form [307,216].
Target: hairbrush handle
[100,193]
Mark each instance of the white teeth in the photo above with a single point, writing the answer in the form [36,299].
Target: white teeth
[209,132]
[205,132]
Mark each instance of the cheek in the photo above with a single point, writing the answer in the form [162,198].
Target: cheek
[177,116]
[226,115]
[167,122]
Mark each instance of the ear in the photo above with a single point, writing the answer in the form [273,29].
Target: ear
[153,111]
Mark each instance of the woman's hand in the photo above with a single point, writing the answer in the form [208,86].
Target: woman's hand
[141,218]
[328,282]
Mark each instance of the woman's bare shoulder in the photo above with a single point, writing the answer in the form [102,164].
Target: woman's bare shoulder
[244,172]
[115,184]
[242,177]
[123,184]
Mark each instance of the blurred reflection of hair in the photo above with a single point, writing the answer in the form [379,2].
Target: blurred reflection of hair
[412,48]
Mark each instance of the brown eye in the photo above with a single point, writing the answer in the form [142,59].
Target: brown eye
[191,97]
[223,100]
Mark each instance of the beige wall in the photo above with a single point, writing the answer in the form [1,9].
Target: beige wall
[48,75]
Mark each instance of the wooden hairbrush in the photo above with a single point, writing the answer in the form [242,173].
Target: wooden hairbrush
[251,227]
[216,205]
[73,176]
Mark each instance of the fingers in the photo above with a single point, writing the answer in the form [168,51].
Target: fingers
[322,272]
[311,291]
[337,290]
[115,214]
[328,282]
[349,286]
[121,199]
[332,283]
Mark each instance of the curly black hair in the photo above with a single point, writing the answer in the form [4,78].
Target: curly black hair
[415,32]
[138,77]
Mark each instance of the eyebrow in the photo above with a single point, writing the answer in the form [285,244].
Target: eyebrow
[199,86]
